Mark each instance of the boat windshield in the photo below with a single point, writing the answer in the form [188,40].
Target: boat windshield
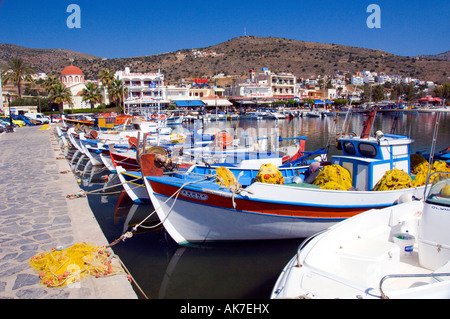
[440,190]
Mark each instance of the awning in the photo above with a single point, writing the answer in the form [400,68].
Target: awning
[321,102]
[430,99]
[218,102]
[188,103]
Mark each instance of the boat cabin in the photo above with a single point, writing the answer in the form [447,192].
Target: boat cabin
[368,159]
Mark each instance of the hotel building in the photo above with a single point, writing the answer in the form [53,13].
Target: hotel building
[144,90]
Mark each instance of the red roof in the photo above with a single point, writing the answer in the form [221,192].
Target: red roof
[430,99]
[71,70]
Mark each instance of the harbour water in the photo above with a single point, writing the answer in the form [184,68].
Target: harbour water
[243,270]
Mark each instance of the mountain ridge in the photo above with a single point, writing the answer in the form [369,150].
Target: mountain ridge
[238,55]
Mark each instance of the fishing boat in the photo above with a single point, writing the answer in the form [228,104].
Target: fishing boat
[275,115]
[401,251]
[313,113]
[246,163]
[195,208]
[133,184]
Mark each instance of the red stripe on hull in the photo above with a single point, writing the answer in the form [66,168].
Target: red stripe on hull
[262,207]
[128,163]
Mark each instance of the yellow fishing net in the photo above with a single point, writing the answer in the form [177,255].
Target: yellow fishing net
[269,173]
[334,177]
[393,179]
[61,267]
[226,178]
[421,171]
[418,163]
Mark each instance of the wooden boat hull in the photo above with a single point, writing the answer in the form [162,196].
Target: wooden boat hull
[128,163]
[133,184]
[203,213]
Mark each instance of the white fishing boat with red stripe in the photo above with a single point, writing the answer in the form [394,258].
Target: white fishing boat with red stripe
[195,209]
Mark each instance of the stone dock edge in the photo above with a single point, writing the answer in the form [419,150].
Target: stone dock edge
[17,279]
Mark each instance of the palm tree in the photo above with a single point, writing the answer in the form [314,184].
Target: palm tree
[50,82]
[15,71]
[106,76]
[92,94]
[60,94]
[117,91]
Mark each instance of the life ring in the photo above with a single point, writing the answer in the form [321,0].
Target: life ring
[224,140]
[132,141]
[162,116]
[153,116]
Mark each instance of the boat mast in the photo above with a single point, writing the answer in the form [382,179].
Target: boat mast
[433,149]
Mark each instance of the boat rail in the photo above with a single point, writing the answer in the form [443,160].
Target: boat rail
[384,296]
[305,242]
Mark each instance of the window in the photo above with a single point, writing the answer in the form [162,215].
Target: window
[349,148]
[367,150]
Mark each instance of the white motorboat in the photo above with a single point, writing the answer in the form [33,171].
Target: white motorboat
[401,251]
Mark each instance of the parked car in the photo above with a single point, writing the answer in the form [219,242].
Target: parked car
[38,116]
[19,123]
[57,118]
[27,120]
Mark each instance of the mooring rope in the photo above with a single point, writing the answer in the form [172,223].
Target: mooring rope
[83,193]
[129,234]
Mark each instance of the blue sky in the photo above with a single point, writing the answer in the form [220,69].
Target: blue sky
[116,29]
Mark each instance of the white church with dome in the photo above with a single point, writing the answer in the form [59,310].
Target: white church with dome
[73,78]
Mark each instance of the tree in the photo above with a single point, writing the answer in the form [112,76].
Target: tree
[411,93]
[378,93]
[50,82]
[16,71]
[117,91]
[106,76]
[59,95]
[92,94]
[443,91]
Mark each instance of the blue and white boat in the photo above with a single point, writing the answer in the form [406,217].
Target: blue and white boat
[195,209]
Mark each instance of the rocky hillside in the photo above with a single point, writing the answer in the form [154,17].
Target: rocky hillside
[443,56]
[238,55]
[43,60]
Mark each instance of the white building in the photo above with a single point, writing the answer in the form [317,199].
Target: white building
[73,78]
[177,92]
[250,90]
[357,80]
[369,79]
[282,84]
[38,76]
[382,78]
[144,89]
[265,85]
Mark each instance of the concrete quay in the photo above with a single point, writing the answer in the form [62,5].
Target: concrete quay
[35,216]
